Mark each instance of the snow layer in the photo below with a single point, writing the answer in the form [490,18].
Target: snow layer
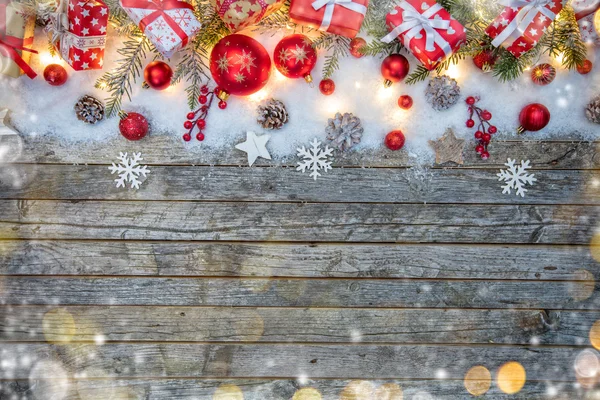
[40,109]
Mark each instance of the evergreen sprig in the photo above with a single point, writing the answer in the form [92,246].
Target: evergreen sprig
[337,47]
[193,69]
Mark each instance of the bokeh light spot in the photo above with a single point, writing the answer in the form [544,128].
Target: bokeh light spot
[595,247]
[357,390]
[583,285]
[307,393]
[389,391]
[228,392]
[478,380]
[595,335]
[511,377]
[58,326]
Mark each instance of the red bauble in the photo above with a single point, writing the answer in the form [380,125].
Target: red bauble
[240,65]
[55,75]
[543,74]
[295,57]
[157,75]
[405,102]
[585,68]
[394,68]
[327,87]
[395,140]
[485,60]
[356,45]
[533,117]
[133,126]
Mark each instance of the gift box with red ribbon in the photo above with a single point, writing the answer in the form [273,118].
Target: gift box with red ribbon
[341,17]
[169,24]
[78,31]
[427,29]
[17,26]
[584,13]
[522,23]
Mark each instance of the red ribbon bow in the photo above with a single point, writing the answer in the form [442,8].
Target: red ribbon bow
[160,6]
[10,44]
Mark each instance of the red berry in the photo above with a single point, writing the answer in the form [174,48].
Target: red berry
[187,137]
[203,99]
[486,137]
[200,136]
[486,115]
[395,140]
[222,105]
[191,115]
[478,135]
[470,123]
[485,155]
[470,100]
[405,102]
[492,129]
[188,124]
[201,124]
[204,89]
[479,148]
[204,109]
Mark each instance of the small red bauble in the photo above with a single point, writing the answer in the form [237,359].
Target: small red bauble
[394,68]
[485,60]
[295,57]
[157,75]
[405,102]
[395,140]
[240,65]
[543,74]
[586,67]
[533,117]
[222,104]
[133,126]
[55,74]
[356,45]
[327,87]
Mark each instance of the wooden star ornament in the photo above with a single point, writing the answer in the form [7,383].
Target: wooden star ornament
[255,146]
[5,128]
[448,148]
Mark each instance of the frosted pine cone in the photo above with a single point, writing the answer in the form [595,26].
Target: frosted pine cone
[344,131]
[442,92]
[89,110]
[273,115]
[592,111]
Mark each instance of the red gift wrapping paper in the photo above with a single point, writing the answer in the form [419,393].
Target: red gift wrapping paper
[340,17]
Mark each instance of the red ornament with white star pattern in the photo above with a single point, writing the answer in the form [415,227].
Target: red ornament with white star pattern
[240,65]
[295,57]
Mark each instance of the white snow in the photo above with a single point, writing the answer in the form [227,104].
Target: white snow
[39,109]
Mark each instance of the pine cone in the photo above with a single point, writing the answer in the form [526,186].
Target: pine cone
[592,111]
[344,131]
[442,92]
[272,115]
[89,110]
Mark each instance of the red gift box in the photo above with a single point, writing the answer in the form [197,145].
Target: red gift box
[78,31]
[522,23]
[427,29]
[341,17]
[17,26]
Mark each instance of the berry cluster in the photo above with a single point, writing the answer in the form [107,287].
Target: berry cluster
[485,130]
[198,118]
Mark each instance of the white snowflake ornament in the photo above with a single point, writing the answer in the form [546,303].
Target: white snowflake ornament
[315,159]
[129,170]
[516,177]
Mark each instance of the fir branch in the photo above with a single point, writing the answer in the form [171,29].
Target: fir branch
[565,39]
[213,27]
[337,47]
[276,21]
[509,67]
[193,69]
[418,75]
[119,82]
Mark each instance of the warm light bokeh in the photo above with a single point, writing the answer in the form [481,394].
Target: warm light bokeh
[478,380]
[511,377]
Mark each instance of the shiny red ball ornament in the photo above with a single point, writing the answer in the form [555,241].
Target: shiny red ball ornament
[157,75]
[395,140]
[240,65]
[543,74]
[585,67]
[533,117]
[485,60]
[327,87]
[394,68]
[356,45]
[55,75]
[133,126]
[295,57]
[405,102]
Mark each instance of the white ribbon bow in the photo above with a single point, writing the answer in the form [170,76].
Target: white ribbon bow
[58,22]
[330,7]
[414,23]
[529,9]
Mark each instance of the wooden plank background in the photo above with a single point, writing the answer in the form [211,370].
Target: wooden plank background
[383,280]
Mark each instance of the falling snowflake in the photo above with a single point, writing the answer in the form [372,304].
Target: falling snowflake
[516,177]
[314,159]
[129,170]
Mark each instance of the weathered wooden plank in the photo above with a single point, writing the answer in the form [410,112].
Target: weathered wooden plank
[283,360]
[167,150]
[311,325]
[24,257]
[297,222]
[380,185]
[299,292]
[263,389]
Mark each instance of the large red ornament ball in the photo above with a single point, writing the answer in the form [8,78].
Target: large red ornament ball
[240,65]
[55,74]
[158,75]
[533,117]
[327,87]
[356,45]
[394,68]
[395,140]
[133,126]
[295,57]
[585,67]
